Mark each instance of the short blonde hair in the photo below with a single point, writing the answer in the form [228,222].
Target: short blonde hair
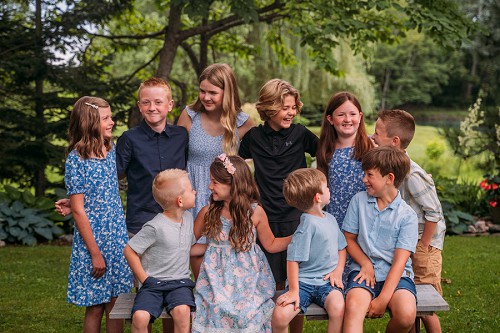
[387,159]
[300,187]
[272,97]
[399,123]
[168,185]
[155,82]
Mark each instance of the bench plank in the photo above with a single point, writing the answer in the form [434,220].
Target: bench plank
[428,302]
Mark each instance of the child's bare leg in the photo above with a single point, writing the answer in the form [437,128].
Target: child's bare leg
[356,305]
[404,310]
[282,316]
[112,325]
[432,323]
[181,315]
[334,306]
[140,321]
[93,318]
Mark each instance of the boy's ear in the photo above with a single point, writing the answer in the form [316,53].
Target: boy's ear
[317,198]
[396,142]
[390,178]
[179,201]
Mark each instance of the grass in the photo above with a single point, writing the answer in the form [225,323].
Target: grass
[33,289]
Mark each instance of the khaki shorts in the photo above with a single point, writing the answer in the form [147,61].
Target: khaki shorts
[427,264]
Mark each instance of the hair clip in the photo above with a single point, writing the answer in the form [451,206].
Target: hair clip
[92,105]
[227,163]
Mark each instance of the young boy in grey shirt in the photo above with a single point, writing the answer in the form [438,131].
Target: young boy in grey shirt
[159,255]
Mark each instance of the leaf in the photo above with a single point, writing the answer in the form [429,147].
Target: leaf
[44,232]
[15,231]
[29,240]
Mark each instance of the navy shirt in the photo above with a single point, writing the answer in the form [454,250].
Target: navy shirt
[275,154]
[141,153]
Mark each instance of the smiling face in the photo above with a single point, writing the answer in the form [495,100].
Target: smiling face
[210,96]
[220,192]
[284,118]
[345,119]
[107,122]
[380,136]
[375,183]
[155,103]
[188,197]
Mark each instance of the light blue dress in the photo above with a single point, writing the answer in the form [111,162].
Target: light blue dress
[345,179]
[97,180]
[234,289]
[203,149]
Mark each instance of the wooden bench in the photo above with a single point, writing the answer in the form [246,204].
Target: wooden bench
[428,302]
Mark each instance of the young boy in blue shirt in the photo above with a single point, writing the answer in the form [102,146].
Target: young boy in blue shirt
[381,232]
[159,255]
[316,256]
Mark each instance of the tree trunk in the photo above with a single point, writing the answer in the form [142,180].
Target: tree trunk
[171,42]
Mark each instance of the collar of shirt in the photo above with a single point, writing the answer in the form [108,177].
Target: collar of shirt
[393,205]
[282,132]
[151,133]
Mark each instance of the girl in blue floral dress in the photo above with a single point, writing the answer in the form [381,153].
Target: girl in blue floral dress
[235,287]
[342,143]
[98,272]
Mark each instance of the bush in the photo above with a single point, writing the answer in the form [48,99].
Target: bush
[26,219]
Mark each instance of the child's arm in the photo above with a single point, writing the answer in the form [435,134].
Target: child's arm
[335,276]
[83,225]
[367,273]
[185,120]
[198,222]
[197,250]
[265,235]
[63,207]
[134,261]
[379,304]
[292,295]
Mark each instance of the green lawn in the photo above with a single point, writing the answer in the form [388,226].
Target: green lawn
[33,289]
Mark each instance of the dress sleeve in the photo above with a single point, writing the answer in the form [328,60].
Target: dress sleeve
[241,118]
[74,175]
[191,113]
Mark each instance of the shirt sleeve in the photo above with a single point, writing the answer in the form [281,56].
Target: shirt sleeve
[300,246]
[124,153]
[143,239]
[342,242]
[74,175]
[422,190]
[351,220]
[408,232]
[244,150]
[310,142]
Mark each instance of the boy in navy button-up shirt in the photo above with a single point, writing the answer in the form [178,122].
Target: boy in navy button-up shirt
[381,233]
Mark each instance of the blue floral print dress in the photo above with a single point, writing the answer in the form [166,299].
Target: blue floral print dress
[234,289]
[97,180]
[345,179]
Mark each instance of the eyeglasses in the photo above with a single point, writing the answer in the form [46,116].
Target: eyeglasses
[148,103]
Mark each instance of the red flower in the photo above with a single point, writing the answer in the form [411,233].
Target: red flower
[493,203]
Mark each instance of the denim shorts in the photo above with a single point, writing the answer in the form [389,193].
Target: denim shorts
[309,293]
[404,283]
[156,294]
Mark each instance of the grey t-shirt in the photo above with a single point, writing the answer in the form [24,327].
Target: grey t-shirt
[164,246]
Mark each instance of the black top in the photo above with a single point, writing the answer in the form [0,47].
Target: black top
[275,154]
[141,153]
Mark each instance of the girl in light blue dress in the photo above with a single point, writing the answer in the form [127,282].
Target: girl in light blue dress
[235,286]
[342,143]
[98,272]
[215,124]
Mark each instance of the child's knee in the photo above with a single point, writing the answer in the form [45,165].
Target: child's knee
[141,318]
[334,305]
[181,312]
[281,318]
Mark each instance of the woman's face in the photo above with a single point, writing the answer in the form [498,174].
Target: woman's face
[345,119]
[210,96]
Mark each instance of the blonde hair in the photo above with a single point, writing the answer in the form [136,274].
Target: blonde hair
[328,135]
[387,159]
[399,123]
[272,97]
[222,76]
[168,185]
[84,130]
[300,187]
[155,82]
[244,193]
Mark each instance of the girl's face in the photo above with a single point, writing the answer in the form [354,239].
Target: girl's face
[284,118]
[210,96]
[220,192]
[107,122]
[345,119]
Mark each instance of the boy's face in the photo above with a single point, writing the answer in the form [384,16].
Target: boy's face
[380,136]
[325,196]
[375,183]
[211,96]
[284,117]
[106,122]
[155,103]
[345,119]
[189,195]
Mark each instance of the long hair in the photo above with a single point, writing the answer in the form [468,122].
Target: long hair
[328,135]
[244,193]
[222,76]
[272,97]
[84,129]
